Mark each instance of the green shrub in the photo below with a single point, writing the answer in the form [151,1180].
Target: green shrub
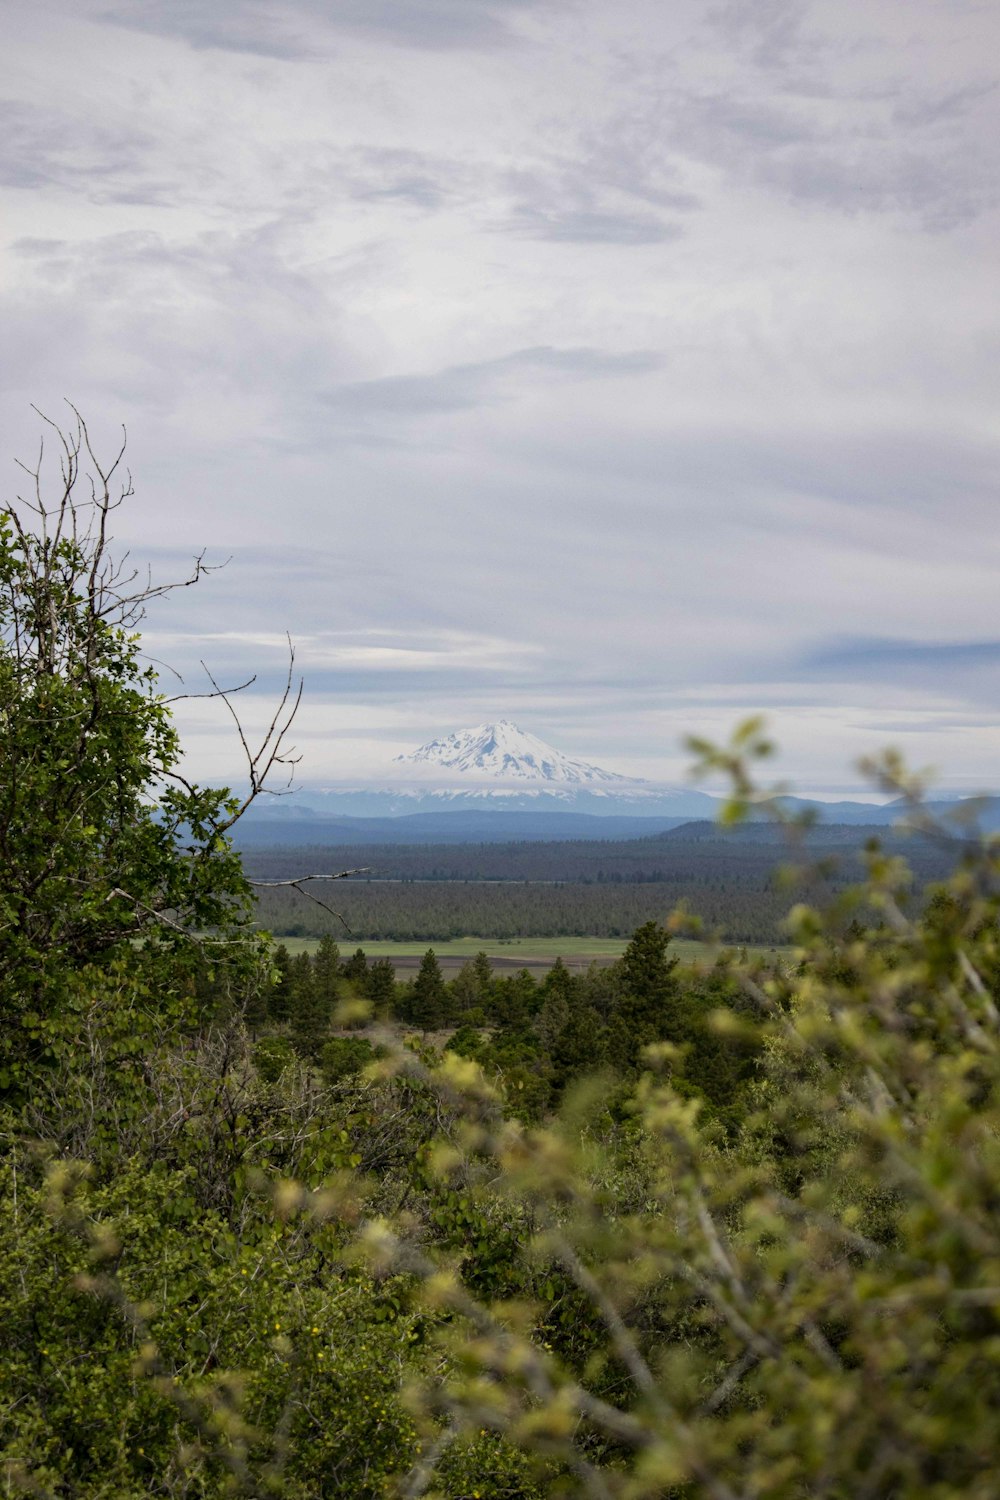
[344,1056]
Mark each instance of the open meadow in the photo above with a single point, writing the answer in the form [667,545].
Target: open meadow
[537,955]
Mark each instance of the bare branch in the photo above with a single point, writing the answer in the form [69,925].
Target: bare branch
[272,751]
[747,1360]
[215,693]
[625,1345]
[297,884]
[149,911]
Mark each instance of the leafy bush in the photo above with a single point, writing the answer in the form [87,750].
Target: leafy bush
[344,1056]
[149,1346]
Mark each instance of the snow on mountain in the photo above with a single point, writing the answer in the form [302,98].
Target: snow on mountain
[504,752]
[494,767]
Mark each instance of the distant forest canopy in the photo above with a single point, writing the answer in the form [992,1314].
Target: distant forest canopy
[578,888]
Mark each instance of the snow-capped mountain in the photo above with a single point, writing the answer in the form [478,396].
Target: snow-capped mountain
[451,790]
[495,767]
[505,752]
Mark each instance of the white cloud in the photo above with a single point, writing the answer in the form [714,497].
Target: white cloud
[604,367]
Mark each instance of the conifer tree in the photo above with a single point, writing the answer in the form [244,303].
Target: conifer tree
[279,997]
[514,1000]
[578,1048]
[554,1014]
[646,1011]
[355,969]
[482,970]
[380,986]
[310,1009]
[428,1002]
[326,969]
[253,1006]
[465,990]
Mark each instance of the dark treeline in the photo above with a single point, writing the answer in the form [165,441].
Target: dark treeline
[535,1037]
[563,890]
[696,853]
[438,910]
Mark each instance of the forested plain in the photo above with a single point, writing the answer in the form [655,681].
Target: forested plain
[732,879]
[276,1226]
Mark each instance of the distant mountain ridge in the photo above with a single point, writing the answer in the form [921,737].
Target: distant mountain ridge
[374,800]
[491,826]
[498,768]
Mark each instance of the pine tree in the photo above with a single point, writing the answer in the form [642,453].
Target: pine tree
[380,986]
[465,990]
[428,1002]
[279,999]
[554,1015]
[515,1000]
[326,970]
[579,1047]
[355,969]
[482,970]
[647,1009]
[310,1010]
[254,1006]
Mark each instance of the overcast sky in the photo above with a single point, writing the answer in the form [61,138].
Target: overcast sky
[616,368]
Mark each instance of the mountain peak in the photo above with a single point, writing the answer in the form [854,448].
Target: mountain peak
[503,751]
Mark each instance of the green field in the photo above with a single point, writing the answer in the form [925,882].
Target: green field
[529,953]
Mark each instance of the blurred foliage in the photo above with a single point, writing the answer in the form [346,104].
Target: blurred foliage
[807,1305]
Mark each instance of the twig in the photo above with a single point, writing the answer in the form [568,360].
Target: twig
[299,880]
[621,1337]
[422,1473]
[730,1381]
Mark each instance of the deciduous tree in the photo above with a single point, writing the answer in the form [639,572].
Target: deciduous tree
[106,850]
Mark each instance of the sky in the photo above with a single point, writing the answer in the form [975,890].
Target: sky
[620,370]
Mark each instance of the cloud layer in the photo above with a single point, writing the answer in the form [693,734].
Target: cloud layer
[618,370]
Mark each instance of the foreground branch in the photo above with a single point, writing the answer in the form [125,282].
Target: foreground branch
[300,880]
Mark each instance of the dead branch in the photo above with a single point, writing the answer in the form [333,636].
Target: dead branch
[299,880]
[341,875]
[240,687]
[272,751]
[151,912]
